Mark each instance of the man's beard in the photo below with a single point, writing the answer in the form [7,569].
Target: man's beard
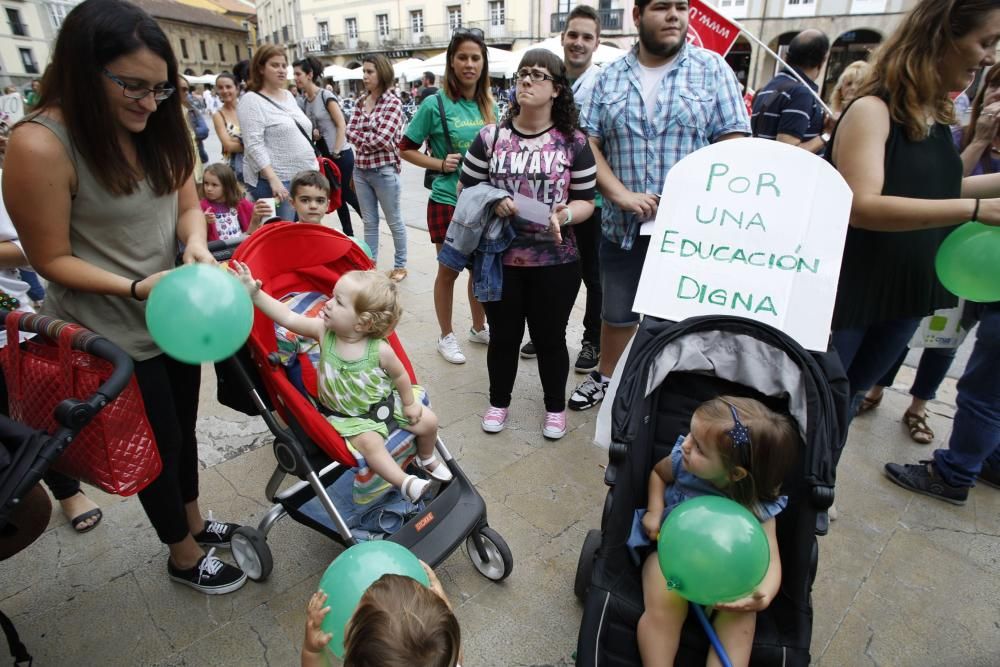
[650,44]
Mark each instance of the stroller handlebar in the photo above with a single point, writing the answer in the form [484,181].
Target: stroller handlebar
[84,341]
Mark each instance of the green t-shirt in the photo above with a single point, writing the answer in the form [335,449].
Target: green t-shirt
[464,123]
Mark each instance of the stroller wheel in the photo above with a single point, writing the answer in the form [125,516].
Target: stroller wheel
[498,562]
[251,553]
[585,566]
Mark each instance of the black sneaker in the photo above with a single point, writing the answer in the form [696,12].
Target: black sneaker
[528,351]
[210,576]
[990,476]
[588,358]
[921,478]
[590,392]
[216,533]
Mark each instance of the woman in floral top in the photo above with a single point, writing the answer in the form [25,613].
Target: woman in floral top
[375,130]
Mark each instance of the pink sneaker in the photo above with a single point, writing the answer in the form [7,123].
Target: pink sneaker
[495,419]
[555,425]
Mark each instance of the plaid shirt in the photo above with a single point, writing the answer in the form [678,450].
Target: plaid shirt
[698,101]
[376,135]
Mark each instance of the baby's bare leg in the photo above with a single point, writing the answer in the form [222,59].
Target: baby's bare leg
[426,431]
[372,446]
[735,630]
[660,626]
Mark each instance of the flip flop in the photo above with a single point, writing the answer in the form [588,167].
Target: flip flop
[78,522]
[920,432]
[868,404]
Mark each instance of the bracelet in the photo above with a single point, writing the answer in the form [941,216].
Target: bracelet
[135,295]
[569,217]
[975,212]
[442,166]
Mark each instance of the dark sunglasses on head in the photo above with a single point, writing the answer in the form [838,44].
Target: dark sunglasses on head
[475,33]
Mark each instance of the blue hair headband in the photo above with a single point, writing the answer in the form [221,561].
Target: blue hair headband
[739,433]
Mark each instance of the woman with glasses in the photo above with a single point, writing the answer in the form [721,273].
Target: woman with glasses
[329,131]
[227,123]
[468,106]
[375,129]
[545,162]
[277,140]
[100,189]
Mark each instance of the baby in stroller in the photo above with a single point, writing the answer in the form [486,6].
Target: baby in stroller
[362,385]
[737,448]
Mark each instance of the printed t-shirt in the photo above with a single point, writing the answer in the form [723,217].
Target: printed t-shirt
[547,167]
[230,221]
[464,122]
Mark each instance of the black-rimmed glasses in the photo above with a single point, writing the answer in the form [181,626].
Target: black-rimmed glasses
[475,33]
[134,91]
[535,75]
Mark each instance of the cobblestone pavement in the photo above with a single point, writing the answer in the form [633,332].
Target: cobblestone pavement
[903,579]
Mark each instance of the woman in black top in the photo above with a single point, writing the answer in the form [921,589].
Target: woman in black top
[895,150]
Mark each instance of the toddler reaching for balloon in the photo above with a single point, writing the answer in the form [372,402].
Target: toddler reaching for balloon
[736,448]
[362,383]
[398,622]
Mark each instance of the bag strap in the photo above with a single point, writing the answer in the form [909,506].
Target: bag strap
[281,108]
[444,125]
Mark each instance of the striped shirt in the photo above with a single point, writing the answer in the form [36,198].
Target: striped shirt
[785,106]
[375,136]
[274,137]
[548,167]
[698,101]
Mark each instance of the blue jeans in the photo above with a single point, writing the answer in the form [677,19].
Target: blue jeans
[931,371]
[262,190]
[975,436]
[376,187]
[867,353]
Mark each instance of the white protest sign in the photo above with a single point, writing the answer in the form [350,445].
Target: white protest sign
[11,108]
[749,228]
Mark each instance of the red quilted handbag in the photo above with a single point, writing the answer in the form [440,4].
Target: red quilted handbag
[116,451]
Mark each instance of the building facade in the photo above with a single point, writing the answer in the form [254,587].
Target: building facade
[28,30]
[204,41]
[280,22]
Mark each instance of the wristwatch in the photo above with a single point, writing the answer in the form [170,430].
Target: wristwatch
[825,137]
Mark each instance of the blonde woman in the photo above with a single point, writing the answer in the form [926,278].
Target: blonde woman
[847,86]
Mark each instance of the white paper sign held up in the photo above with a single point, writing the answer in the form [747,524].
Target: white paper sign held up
[749,228]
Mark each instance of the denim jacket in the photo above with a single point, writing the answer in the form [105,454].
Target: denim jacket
[476,231]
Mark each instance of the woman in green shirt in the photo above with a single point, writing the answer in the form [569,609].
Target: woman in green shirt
[468,106]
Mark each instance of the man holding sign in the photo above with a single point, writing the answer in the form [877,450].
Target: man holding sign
[662,101]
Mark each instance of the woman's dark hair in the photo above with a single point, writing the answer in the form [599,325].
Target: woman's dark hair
[241,72]
[564,112]
[231,193]
[383,70]
[483,96]
[227,75]
[92,35]
[264,53]
[312,67]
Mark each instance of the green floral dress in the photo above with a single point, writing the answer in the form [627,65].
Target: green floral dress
[353,387]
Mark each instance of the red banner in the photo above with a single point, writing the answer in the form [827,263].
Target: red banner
[709,29]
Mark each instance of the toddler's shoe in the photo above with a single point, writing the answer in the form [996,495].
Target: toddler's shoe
[495,419]
[414,488]
[555,425]
[439,472]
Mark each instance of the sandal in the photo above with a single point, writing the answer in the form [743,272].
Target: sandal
[920,432]
[414,488]
[79,522]
[440,472]
[869,404]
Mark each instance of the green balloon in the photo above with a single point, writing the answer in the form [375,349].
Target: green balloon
[363,245]
[350,575]
[712,549]
[968,262]
[199,313]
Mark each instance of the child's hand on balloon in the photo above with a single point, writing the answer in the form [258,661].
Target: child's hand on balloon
[316,640]
[754,602]
[242,271]
[651,524]
[435,583]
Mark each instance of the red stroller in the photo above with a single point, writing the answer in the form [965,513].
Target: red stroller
[297,258]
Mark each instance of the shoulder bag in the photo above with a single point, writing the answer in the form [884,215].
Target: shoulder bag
[431,174]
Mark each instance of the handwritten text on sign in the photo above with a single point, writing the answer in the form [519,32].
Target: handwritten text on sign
[750,228]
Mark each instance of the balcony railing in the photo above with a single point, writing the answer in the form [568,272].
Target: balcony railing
[611,20]
[406,39]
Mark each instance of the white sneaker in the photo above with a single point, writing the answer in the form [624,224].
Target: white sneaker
[481,337]
[449,349]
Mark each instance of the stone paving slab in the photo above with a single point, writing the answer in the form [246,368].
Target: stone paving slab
[903,579]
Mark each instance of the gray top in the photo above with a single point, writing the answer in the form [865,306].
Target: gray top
[273,137]
[131,235]
[320,117]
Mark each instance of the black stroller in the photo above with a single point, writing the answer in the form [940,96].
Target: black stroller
[671,369]
[26,453]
